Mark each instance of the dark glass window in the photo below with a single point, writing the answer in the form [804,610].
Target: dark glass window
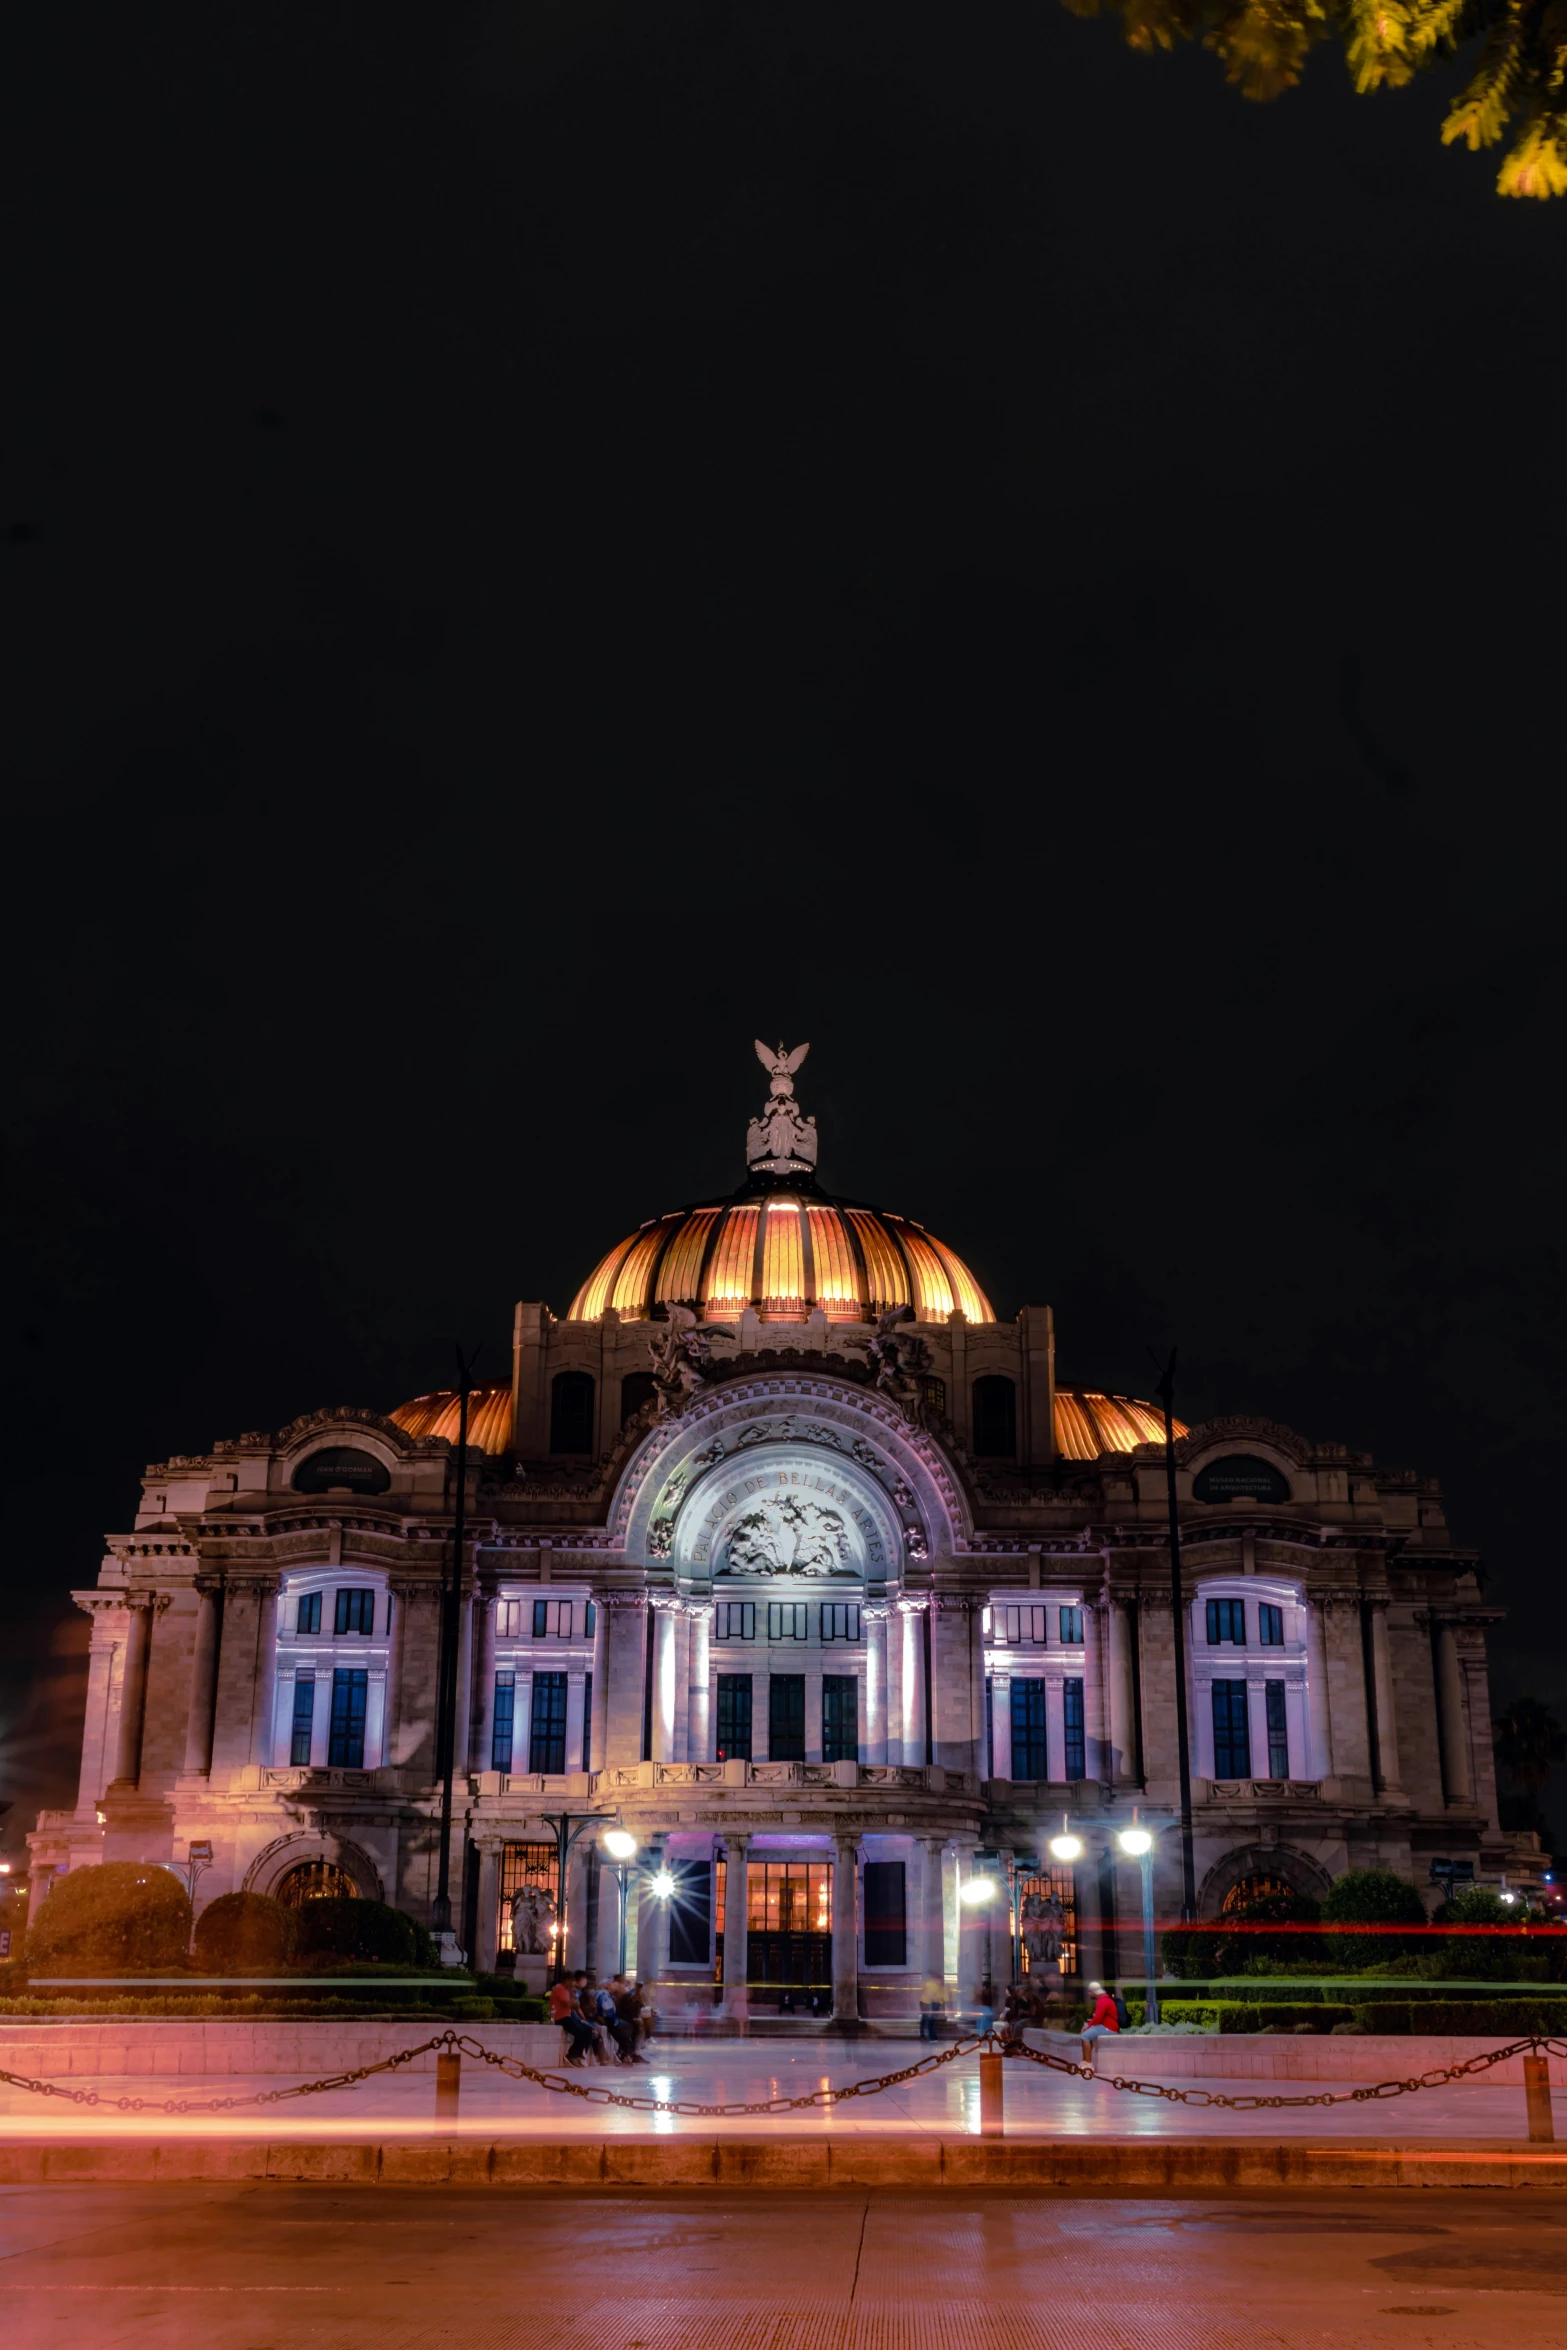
[1231,1734]
[786,1717]
[1028,1729]
[1270,1626]
[636,1389]
[1071,1627]
[735,1619]
[840,1718]
[1226,1621]
[933,1395]
[995,1418]
[840,1620]
[734,1717]
[1278,1731]
[886,1916]
[547,1725]
[1072,1723]
[691,1912]
[355,1612]
[787,1619]
[307,1616]
[505,1718]
[571,1412]
[587,1718]
[304,1715]
[346,1748]
[590,1618]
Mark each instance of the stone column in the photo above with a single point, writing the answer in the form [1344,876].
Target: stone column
[971,1935]
[97,1724]
[845,1930]
[1389,1776]
[666,1659]
[933,1918]
[574,1712]
[488,1933]
[1346,1655]
[203,1680]
[1097,1760]
[481,1732]
[912,1748]
[598,1711]
[261,1723]
[1457,1778]
[628,1632]
[133,1689]
[699,1727]
[875,1621]
[736,1951]
[239,1673]
[1123,1711]
[1319,1710]
[463,1693]
[1001,1725]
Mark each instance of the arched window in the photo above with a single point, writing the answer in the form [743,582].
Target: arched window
[995,1419]
[316,1880]
[636,1389]
[571,1412]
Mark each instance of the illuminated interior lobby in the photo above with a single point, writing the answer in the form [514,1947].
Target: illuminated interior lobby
[787,1555]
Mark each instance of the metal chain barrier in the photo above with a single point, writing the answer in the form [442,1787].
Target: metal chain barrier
[451,2043]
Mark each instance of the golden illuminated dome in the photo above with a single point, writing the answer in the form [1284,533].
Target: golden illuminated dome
[489,1416]
[785,1252]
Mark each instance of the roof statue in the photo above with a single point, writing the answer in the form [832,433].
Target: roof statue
[780,1141]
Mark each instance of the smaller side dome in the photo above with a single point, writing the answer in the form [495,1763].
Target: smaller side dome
[436,1414]
[1090,1423]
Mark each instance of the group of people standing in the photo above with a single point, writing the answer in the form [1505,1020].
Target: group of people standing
[604,2023]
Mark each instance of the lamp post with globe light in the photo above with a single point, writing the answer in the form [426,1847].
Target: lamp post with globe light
[1137,1844]
[621,1846]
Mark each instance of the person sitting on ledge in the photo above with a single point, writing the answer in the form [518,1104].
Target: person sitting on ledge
[1106,2017]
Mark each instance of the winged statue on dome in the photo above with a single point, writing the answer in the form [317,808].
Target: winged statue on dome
[780,1141]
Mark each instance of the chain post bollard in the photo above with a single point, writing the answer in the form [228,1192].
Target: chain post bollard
[1537,2097]
[448,2085]
[992,2112]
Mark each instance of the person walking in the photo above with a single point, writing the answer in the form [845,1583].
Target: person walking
[592,2004]
[624,2028]
[1105,2017]
[933,2004]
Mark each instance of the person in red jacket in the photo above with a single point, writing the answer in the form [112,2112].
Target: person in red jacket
[1105,2018]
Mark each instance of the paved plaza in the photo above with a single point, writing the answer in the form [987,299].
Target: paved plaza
[941,2104]
[291,2268]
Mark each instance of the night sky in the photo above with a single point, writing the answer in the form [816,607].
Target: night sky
[543,541]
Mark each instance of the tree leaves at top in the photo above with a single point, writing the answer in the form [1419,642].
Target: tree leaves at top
[1519,83]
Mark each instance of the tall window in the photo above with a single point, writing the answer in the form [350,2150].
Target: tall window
[1071,1627]
[995,1418]
[1226,1621]
[304,1717]
[840,1718]
[587,1717]
[886,1915]
[840,1620]
[1270,1626]
[307,1617]
[933,1395]
[547,1729]
[734,1619]
[504,1720]
[508,1619]
[552,1619]
[787,1619]
[346,1744]
[1072,1722]
[691,1912]
[1012,1627]
[734,1717]
[1028,1729]
[786,1717]
[355,1612]
[1278,1731]
[571,1412]
[1231,1735]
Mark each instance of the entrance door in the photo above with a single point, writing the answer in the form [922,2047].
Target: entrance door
[789,1941]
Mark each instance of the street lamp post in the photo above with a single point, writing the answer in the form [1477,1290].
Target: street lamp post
[1138,1845]
[621,1846]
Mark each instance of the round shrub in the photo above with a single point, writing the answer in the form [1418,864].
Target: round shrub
[1232,1945]
[1371,1897]
[1477,1958]
[245,1934]
[368,1931]
[121,1918]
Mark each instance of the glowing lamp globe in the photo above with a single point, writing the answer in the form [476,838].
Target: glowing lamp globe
[620,1844]
[1136,1841]
[978,1889]
[1066,1847]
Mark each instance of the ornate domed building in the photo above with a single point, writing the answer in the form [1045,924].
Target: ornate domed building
[783,1552]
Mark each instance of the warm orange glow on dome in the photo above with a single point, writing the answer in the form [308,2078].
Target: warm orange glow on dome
[786,1254]
[489,1416]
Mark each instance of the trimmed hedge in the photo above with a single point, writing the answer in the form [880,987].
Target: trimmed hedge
[245,1934]
[1255,2015]
[364,1930]
[118,1918]
[1507,2019]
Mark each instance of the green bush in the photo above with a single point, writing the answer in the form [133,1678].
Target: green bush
[1234,1946]
[1367,1897]
[1500,2019]
[245,1934]
[1478,1958]
[368,1931]
[1255,2015]
[123,1917]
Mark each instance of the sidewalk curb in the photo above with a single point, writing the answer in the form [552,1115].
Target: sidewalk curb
[1103,2165]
